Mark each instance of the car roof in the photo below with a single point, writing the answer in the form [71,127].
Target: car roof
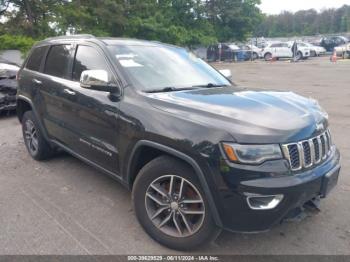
[102,40]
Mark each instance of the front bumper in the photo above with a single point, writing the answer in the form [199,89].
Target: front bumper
[297,189]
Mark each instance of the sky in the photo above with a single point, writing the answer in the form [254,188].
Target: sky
[276,6]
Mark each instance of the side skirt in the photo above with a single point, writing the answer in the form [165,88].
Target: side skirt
[89,162]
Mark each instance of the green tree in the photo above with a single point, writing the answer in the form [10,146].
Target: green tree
[29,17]
[181,22]
[306,22]
[233,19]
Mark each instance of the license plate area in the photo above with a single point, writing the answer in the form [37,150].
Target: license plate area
[329,181]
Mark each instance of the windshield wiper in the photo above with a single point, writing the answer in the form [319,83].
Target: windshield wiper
[169,89]
[209,85]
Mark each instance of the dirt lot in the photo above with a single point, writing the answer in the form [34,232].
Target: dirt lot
[65,207]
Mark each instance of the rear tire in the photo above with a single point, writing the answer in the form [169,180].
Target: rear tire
[188,224]
[36,144]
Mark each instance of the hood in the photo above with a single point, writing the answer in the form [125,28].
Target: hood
[249,116]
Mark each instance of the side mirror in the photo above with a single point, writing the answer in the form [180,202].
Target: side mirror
[97,80]
[226,73]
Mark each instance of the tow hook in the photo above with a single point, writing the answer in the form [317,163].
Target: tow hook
[298,214]
[313,205]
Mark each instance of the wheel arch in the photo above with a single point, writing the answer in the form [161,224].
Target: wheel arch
[132,169]
[267,53]
[24,104]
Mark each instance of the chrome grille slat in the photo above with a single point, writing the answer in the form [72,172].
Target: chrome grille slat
[317,150]
[312,151]
[323,146]
[326,143]
[307,153]
[329,138]
[320,146]
[301,155]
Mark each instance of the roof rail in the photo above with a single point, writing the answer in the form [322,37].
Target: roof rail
[78,36]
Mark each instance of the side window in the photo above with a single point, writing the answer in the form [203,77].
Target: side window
[57,61]
[87,58]
[35,58]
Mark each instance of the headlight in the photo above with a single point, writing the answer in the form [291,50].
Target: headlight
[252,154]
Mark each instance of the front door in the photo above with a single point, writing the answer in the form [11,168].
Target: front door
[287,50]
[95,116]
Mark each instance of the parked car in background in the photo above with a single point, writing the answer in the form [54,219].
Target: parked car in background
[314,49]
[284,50]
[329,43]
[8,85]
[343,50]
[255,52]
[227,52]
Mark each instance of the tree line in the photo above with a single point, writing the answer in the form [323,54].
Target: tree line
[306,23]
[181,22]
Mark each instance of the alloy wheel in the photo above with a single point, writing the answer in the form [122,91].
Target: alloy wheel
[268,56]
[31,137]
[299,56]
[175,206]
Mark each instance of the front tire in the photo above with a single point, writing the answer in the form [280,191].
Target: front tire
[299,56]
[268,56]
[36,144]
[171,206]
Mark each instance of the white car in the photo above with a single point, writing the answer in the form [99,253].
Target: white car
[256,51]
[342,50]
[314,49]
[284,50]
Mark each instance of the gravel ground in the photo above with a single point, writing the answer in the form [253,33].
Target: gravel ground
[63,206]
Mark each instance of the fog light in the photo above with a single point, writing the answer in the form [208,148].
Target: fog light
[263,202]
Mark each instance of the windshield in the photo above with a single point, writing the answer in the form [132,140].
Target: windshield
[159,67]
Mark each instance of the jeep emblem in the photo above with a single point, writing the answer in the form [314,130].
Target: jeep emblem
[319,127]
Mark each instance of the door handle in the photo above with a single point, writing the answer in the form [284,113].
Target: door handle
[69,92]
[36,81]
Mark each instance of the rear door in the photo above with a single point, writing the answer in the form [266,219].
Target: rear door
[274,48]
[53,91]
[30,79]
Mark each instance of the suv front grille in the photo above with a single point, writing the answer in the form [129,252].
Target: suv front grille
[307,153]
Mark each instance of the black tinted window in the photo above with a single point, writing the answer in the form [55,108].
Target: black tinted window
[57,61]
[35,58]
[87,58]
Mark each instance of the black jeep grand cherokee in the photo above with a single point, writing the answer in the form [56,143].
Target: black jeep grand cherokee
[198,153]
